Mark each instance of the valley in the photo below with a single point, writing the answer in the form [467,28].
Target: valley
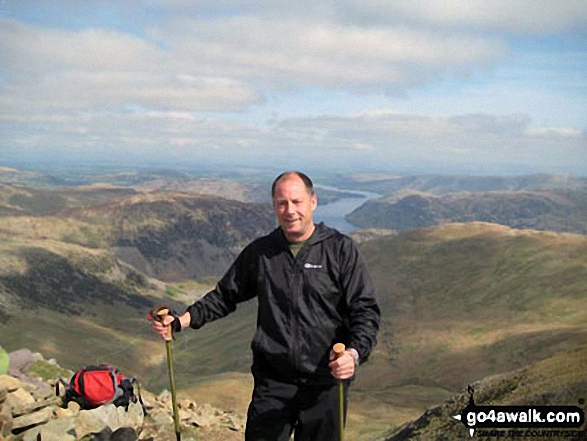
[462,300]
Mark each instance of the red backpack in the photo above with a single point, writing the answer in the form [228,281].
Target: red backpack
[93,386]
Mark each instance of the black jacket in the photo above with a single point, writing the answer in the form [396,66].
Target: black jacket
[306,304]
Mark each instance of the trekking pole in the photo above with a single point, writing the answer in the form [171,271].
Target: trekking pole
[339,349]
[161,315]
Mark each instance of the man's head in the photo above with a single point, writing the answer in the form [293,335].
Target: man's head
[294,201]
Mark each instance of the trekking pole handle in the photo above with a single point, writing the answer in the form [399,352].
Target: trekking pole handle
[162,314]
[338,350]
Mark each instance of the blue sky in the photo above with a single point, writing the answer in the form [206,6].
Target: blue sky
[477,86]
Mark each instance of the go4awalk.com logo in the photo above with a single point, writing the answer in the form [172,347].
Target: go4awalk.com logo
[523,421]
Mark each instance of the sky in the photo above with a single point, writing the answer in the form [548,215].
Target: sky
[403,86]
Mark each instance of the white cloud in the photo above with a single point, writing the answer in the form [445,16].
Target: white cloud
[318,52]
[517,16]
[97,69]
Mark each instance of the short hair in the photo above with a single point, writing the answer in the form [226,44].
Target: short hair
[305,179]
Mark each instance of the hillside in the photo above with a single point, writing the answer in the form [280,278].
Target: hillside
[557,380]
[16,199]
[464,301]
[170,236]
[554,210]
[83,278]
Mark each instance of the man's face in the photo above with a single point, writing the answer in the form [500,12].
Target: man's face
[293,206]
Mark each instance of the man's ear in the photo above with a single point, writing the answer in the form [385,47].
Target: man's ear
[314,201]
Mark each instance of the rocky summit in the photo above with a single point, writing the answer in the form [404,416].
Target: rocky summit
[31,409]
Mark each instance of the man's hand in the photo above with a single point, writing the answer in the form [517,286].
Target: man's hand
[343,367]
[161,327]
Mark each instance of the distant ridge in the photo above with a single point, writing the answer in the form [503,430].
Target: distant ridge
[445,184]
[562,210]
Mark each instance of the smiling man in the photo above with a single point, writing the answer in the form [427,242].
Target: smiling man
[314,291]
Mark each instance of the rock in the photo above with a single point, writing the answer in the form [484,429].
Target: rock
[55,430]
[43,393]
[149,399]
[19,399]
[34,406]
[161,417]
[95,420]
[5,421]
[24,422]
[205,416]
[29,413]
[3,393]
[124,434]
[165,398]
[19,362]
[10,383]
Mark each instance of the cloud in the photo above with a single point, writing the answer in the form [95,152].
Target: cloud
[516,17]
[102,69]
[318,52]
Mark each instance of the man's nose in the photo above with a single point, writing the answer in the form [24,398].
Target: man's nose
[290,207]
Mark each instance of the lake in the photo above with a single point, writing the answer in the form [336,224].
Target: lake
[333,214]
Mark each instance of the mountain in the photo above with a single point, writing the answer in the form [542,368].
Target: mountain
[171,236]
[561,210]
[15,199]
[445,184]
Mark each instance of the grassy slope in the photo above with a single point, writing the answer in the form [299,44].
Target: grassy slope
[462,302]
[557,380]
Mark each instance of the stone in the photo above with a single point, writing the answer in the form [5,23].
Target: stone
[124,434]
[10,383]
[165,398]
[161,417]
[95,420]
[5,421]
[59,430]
[35,405]
[43,393]
[3,393]
[32,419]
[72,410]
[18,399]
[20,361]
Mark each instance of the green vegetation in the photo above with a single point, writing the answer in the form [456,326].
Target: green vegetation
[4,361]
[48,371]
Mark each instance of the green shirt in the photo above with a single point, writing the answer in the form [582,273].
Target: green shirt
[295,247]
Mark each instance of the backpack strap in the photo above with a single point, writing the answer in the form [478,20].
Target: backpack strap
[133,380]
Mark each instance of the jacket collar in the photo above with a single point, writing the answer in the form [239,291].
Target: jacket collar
[321,232]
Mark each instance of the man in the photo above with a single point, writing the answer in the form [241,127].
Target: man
[313,291]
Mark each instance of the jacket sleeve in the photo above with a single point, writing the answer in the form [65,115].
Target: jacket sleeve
[364,314]
[235,287]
